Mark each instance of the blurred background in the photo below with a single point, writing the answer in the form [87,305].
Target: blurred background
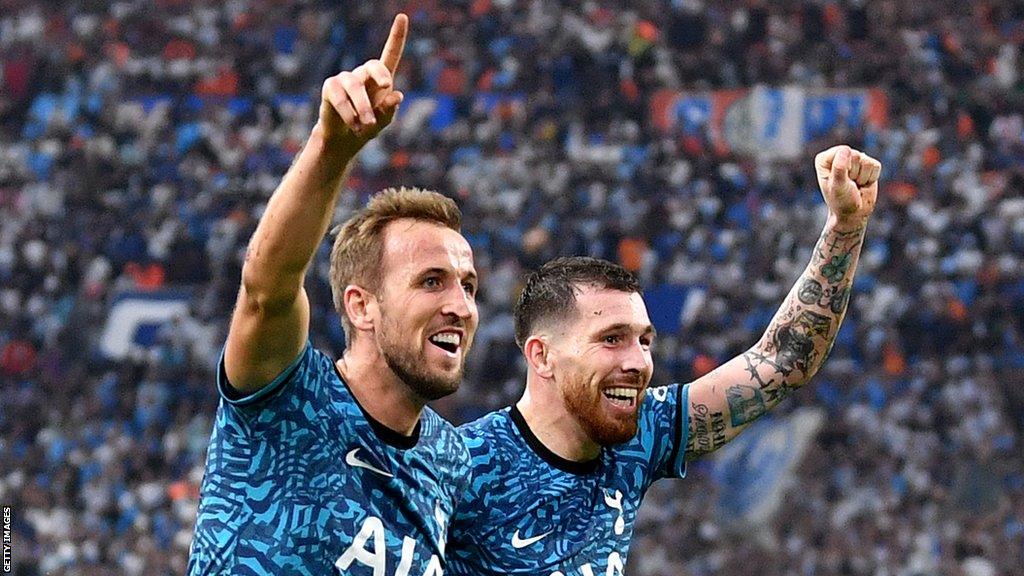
[140,140]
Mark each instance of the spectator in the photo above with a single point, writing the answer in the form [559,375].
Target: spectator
[139,142]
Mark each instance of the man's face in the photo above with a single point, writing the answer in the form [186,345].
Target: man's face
[427,301]
[602,362]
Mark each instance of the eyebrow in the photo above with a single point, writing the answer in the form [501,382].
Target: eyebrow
[471,275]
[624,326]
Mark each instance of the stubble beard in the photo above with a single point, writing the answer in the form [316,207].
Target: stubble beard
[413,371]
[584,404]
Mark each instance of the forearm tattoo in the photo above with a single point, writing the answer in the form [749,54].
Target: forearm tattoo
[793,347]
[802,332]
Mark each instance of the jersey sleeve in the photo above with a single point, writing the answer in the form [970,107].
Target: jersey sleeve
[664,427]
[296,395]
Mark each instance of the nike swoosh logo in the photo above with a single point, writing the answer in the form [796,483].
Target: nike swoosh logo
[351,460]
[518,542]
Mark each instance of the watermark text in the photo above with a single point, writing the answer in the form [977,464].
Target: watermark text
[8,561]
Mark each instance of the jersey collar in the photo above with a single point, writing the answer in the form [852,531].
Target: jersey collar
[563,464]
[384,434]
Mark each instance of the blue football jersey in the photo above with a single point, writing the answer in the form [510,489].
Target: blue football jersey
[528,511]
[301,480]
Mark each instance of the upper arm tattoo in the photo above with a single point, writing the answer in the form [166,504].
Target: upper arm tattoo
[707,430]
[746,403]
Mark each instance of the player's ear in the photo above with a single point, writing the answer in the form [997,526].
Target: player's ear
[360,307]
[538,355]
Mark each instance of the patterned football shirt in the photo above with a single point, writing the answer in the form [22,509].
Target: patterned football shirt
[528,511]
[301,480]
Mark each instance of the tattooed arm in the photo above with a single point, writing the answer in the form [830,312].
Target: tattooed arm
[801,334]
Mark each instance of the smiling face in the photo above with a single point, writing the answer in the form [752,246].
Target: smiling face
[427,305]
[601,362]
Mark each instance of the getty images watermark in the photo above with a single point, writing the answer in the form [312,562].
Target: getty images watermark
[8,561]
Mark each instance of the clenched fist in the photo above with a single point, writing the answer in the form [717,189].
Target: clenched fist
[849,182]
[355,106]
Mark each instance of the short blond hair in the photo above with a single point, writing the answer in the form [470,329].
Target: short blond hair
[359,244]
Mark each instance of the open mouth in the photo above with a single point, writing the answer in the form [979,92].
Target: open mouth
[447,341]
[624,397]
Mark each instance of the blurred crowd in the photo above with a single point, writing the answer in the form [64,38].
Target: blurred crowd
[140,140]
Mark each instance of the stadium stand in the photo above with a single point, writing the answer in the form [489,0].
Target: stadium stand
[139,141]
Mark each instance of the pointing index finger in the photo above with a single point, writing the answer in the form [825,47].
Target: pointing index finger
[392,53]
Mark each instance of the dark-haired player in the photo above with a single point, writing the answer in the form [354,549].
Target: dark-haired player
[559,476]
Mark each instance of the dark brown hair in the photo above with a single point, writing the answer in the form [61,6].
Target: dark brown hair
[550,292]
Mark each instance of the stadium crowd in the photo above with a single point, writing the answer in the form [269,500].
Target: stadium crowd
[140,140]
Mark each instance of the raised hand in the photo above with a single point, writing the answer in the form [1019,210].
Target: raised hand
[849,182]
[355,106]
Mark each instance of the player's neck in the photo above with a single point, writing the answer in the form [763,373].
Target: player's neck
[557,430]
[379,390]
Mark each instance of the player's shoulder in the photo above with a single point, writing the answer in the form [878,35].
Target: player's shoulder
[433,425]
[321,362]
[663,408]
[662,397]
[312,364]
[658,445]
[321,379]
[493,454]
[298,382]
[441,437]
[493,426]
[490,439]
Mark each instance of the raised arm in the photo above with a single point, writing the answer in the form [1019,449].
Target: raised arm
[799,337]
[270,322]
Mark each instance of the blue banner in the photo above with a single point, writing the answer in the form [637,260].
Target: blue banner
[768,122]
[135,319]
[754,470]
